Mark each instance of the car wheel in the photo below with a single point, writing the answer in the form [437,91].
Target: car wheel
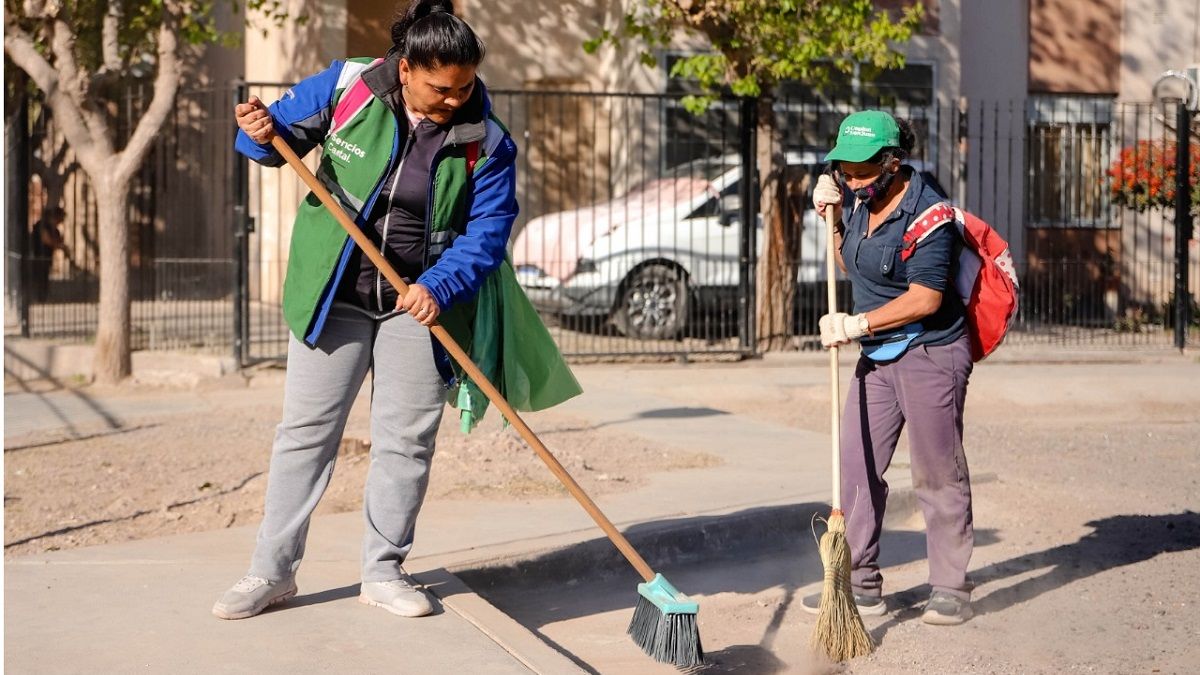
[653,303]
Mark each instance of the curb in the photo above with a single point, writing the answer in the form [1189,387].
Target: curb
[664,544]
[33,359]
[712,538]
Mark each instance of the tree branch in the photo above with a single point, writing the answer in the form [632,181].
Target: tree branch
[109,45]
[19,46]
[166,85]
[74,86]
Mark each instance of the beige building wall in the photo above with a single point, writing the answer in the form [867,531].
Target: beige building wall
[294,51]
[219,66]
[539,43]
[1156,35]
[369,26]
[1074,47]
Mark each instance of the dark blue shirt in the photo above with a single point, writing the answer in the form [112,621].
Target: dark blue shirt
[878,275]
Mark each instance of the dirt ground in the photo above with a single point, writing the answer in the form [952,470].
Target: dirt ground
[1087,559]
[1087,556]
[1086,486]
[173,473]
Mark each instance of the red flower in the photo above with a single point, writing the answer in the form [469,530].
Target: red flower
[1144,175]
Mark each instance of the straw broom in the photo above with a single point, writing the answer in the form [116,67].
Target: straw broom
[664,620]
[839,633]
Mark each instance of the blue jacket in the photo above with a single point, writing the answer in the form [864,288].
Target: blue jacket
[347,110]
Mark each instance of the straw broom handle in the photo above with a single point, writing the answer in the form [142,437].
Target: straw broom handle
[463,360]
[834,395]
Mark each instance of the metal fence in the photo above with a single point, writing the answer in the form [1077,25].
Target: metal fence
[182,272]
[633,236]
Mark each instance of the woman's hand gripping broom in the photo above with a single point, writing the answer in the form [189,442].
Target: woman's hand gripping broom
[839,633]
[664,622]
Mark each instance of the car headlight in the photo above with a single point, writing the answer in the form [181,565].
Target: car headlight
[584,266]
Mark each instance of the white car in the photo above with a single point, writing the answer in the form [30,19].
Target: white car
[646,259]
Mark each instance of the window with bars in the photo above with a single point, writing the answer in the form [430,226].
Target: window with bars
[1069,146]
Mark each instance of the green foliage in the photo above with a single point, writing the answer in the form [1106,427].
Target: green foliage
[758,43]
[139,23]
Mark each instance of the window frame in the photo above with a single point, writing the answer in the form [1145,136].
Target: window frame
[1083,127]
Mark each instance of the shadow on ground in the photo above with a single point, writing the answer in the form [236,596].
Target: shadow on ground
[14,362]
[1115,542]
[742,553]
[700,549]
[656,414]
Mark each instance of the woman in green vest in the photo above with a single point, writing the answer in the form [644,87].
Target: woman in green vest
[411,149]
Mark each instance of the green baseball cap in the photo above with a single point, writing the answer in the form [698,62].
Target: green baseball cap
[862,134]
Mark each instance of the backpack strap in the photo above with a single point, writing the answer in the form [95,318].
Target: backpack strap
[356,95]
[924,225]
[472,151]
[495,134]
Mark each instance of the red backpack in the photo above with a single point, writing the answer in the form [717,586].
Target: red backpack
[986,280]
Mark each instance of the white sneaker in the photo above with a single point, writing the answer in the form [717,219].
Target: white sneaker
[402,597]
[251,595]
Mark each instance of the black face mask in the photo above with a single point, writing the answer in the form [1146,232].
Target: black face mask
[874,191]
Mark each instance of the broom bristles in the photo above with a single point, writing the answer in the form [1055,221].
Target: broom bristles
[664,624]
[839,633]
[666,638]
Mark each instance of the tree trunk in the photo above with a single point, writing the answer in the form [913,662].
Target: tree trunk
[81,117]
[780,253]
[111,361]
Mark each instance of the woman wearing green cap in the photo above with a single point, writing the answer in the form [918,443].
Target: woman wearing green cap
[915,362]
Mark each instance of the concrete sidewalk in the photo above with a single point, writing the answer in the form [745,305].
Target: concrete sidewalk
[144,605]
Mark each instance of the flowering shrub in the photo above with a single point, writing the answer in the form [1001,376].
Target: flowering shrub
[1144,176]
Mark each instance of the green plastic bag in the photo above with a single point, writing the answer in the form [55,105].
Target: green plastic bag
[512,347]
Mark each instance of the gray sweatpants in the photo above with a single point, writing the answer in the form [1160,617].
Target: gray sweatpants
[407,399]
[925,389]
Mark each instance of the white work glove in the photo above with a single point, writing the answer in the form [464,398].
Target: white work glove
[826,193]
[840,328]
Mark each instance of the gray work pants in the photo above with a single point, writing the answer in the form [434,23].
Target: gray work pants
[924,389]
[407,399]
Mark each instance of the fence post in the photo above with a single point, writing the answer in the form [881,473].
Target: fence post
[1183,222]
[242,227]
[747,251]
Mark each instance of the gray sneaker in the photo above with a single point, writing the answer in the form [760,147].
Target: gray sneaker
[402,596]
[251,595]
[868,605]
[946,609]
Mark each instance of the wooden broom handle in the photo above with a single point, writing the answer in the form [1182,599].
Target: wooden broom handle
[463,360]
[834,380]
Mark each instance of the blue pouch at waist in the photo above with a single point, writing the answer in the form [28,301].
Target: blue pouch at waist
[890,346]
